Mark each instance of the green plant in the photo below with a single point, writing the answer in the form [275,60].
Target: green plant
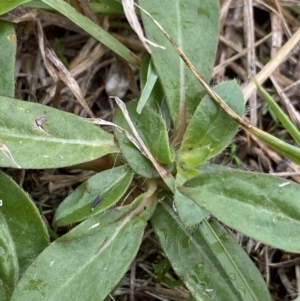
[170,143]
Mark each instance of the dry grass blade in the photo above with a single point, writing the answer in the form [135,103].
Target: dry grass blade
[20,14]
[251,67]
[199,77]
[273,64]
[81,63]
[57,69]
[293,113]
[210,92]
[130,14]
[60,21]
[83,7]
[4,149]
[160,169]
[100,121]
[219,68]
[89,65]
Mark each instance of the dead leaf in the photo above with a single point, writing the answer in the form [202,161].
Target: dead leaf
[130,14]
[57,69]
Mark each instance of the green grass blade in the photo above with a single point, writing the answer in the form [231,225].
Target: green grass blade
[94,30]
[283,148]
[151,80]
[283,118]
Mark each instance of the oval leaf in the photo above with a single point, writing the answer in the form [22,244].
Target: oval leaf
[37,136]
[261,206]
[88,262]
[97,194]
[23,228]
[211,130]
[192,24]
[208,260]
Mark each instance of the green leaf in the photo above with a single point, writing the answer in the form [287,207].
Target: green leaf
[160,271]
[283,118]
[148,88]
[8,44]
[106,7]
[156,99]
[112,6]
[7,6]
[87,263]
[153,132]
[109,186]
[261,206]
[38,136]
[297,10]
[208,260]
[94,30]
[9,268]
[23,234]
[152,129]
[281,147]
[194,25]
[211,130]
[136,161]
[190,213]
[145,204]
